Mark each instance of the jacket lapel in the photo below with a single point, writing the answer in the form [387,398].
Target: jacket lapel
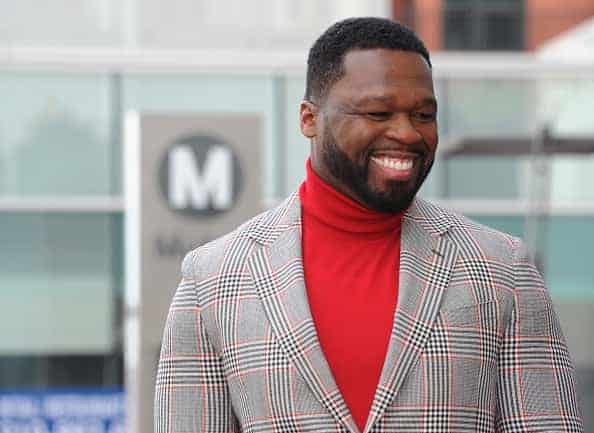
[277,272]
[426,261]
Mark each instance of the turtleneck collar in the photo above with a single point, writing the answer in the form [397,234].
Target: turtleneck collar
[338,211]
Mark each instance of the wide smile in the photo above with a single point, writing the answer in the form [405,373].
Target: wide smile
[397,168]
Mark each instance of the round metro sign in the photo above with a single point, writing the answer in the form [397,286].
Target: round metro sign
[200,175]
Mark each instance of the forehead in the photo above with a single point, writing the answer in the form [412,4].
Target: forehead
[385,72]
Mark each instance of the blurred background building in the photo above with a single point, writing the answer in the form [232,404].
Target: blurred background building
[514,79]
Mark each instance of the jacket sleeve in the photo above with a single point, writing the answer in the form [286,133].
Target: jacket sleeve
[536,386]
[191,394]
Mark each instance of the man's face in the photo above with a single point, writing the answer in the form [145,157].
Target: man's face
[374,136]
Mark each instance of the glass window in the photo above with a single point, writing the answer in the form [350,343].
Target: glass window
[61,280]
[479,107]
[495,110]
[57,135]
[484,25]
[483,178]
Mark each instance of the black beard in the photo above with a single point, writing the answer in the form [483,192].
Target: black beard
[355,176]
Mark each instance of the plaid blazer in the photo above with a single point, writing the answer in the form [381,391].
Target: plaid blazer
[475,346]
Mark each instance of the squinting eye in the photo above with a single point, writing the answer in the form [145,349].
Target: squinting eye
[424,117]
[379,115]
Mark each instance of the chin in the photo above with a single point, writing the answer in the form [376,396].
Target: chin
[389,204]
[394,198]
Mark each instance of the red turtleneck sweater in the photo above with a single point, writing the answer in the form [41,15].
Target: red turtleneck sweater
[351,258]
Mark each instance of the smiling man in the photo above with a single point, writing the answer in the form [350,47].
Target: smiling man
[355,306]
[375,132]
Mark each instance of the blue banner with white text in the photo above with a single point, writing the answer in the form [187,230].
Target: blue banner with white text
[62,411]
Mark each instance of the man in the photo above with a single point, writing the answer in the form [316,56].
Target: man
[354,306]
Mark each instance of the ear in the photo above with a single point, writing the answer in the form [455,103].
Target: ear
[308,113]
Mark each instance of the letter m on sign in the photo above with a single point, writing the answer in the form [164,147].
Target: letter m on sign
[190,187]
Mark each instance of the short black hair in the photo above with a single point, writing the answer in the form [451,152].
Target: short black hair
[326,56]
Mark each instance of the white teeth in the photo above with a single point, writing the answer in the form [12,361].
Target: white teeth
[395,164]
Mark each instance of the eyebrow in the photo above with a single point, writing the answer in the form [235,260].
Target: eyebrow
[384,99]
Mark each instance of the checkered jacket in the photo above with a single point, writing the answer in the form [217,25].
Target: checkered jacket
[475,347]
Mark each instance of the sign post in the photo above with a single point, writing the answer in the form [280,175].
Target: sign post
[189,179]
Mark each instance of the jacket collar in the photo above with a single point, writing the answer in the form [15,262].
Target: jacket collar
[287,216]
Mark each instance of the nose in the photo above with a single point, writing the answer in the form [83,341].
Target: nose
[401,129]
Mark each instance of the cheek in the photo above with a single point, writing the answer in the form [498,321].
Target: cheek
[430,137]
[354,138]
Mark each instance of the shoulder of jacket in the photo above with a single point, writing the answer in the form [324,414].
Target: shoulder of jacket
[473,237]
[209,258]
